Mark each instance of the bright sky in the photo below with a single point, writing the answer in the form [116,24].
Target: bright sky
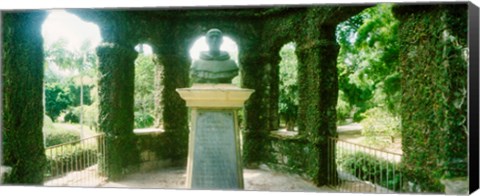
[61,24]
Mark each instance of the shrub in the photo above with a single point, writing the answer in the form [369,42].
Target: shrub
[379,126]
[370,168]
[143,120]
[343,109]
[54,136]
[72,115]
[90,116]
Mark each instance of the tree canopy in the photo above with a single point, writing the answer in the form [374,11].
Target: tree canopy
[368,60]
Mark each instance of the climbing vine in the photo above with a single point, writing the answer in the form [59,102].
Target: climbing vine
[116,107]
[434,128]
[22,112]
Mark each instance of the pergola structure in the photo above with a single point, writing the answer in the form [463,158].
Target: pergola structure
[259,33]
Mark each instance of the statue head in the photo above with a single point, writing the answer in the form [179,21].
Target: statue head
[214,39]
[214,66]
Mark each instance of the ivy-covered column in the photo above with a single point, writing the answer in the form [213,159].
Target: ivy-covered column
[317,55]
[176,64]
[158,91]
[253,62]
[433,57]
[274,90]
[22,90]
[116,88]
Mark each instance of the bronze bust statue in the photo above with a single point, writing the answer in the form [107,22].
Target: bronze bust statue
[214,65]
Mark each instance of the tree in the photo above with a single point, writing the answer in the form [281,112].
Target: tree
[56,100]
[377,37]
[368,60]
[81,61]
[288,99]
[144,89]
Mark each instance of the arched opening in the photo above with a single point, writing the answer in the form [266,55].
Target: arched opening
[70,87]
[144,93]
[369,96]
[70,95]
[369,78]
[288,95]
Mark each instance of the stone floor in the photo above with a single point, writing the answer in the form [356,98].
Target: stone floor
[87,177]
[255,179]
[174,179]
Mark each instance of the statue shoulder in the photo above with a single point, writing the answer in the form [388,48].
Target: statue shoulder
[231,63]
[205,55]
[223,56]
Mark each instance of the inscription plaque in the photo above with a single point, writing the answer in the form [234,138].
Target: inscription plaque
[215,164]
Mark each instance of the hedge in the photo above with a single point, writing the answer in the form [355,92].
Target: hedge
[370,168]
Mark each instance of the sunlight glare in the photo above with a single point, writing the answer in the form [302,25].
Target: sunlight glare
[201,45]
[61,24]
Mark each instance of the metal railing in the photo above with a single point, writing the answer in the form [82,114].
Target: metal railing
[365,169]
[78,163]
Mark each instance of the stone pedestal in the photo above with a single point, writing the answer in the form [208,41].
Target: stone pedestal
[456,186]
[214,158]
[4,172]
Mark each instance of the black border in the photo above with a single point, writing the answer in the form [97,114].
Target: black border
[473,106]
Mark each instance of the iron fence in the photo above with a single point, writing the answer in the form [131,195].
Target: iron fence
[364,169]
[78,163]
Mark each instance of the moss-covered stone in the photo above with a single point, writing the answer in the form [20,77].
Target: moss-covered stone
[22,90]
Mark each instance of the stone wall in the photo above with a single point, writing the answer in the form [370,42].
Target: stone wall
[289,152]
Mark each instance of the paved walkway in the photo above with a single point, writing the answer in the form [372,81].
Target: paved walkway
[349,127]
